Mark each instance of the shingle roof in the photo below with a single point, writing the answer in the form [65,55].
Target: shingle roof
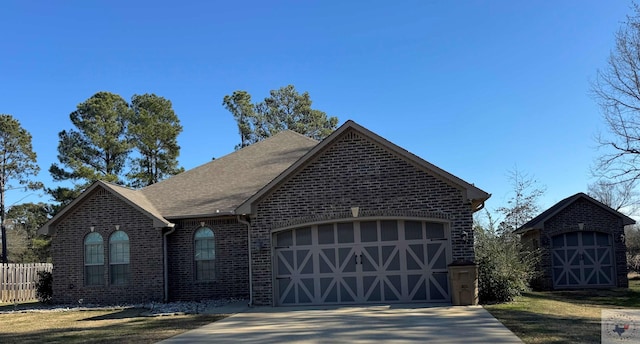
[138,200]
[132,197]
[538,221]
[234,181]
[223,184]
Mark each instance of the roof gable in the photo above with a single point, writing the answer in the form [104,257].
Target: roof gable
[539,221]
[132,197]
[219,186]
[472,193]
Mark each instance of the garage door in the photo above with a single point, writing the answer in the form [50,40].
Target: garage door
[582,259]
[362,262]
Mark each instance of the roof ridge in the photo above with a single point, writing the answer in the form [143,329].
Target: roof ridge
[562,204]
[137,199]
[297,133]
[225,157]
[222,184]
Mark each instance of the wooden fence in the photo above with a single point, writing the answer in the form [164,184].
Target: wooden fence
[18,281]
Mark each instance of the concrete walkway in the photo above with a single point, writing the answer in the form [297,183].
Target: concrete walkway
[364,324]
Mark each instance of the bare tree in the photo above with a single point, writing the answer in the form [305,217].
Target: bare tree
[617,91]
[523,204]
[620,196]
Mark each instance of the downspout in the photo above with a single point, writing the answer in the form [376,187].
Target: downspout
[166,260]
[248,224]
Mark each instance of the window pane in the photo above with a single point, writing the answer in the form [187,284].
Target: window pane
[119,258]
[325,234]
[345,233]
[303,236]
[119,273]
[572,239]
[93,238]
[119,248]
[205,270]
[94,274]
[205,249]
[94,254]
[389,230]
[204,254]
[412,230]
[603,239]
[435,230]
[369,231]
[204,233]
[93,259]
[558,241]
[588,239]
[119,236]
[285,239]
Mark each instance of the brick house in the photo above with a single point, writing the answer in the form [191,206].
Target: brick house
[286,221]
[582,244]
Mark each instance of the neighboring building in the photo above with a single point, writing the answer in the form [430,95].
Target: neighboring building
[288,220]
[582,244]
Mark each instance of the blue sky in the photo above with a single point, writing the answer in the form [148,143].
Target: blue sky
[474,87]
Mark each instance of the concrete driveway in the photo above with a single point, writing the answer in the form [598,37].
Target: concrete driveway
[364,324]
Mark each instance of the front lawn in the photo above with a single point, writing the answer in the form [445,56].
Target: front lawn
[124,325]
[563,316]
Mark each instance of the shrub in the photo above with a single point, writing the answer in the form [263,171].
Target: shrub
[633,262]
[44,288]
[505,269]
[632,241]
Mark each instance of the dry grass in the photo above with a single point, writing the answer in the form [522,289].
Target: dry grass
[95,326]
[563,316]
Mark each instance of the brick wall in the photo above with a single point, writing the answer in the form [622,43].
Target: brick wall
[232,264]
[102,210]
[354,172]
[595,218]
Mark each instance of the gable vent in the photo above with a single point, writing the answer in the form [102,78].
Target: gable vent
[352,135]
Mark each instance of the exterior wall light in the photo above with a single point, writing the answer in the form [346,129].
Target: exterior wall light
[117,227]
[465,236]
[355,211]
[261,244]
[581,226]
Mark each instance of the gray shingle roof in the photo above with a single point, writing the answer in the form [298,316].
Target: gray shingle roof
[223,184]
[538,221]
[139,200]
[132,197]
[235,181]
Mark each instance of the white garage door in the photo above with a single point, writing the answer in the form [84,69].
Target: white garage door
[362,262]
[582,259]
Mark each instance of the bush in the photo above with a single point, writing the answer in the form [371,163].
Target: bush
[504,268]
[633,263]
[44,288]
[632,241]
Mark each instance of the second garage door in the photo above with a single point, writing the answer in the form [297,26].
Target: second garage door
[381,261]
[582,259]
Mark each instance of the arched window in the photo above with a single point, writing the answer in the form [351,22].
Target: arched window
[93,259]
[119,258]
[205,254]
